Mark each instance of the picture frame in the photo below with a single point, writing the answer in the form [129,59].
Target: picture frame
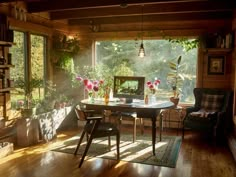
[216,65]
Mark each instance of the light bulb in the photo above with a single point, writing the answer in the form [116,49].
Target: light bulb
[141,51]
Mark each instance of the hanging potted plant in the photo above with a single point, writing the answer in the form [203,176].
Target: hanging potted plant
[175,79]
[64,48]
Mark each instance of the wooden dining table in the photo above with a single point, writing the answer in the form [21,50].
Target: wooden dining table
[147,111]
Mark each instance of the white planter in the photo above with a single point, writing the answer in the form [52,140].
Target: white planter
[6,148]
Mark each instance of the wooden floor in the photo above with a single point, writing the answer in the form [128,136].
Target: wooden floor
[197,158]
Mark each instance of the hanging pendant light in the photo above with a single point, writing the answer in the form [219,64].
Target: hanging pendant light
[141,49]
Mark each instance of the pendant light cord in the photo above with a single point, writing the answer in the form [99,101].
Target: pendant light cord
[142,24]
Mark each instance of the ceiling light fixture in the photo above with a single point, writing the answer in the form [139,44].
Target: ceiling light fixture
[141,49]
[124,4]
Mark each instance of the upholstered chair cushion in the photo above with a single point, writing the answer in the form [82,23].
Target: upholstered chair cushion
[212,103]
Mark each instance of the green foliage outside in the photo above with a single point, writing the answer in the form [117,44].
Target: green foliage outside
[159,53]
[29,90]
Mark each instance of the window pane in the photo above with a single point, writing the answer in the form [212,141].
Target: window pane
[18,60]
[37,64]
[121,58]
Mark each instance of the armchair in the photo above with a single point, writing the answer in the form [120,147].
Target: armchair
[209,113]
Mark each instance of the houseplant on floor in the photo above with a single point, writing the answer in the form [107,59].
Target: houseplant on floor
[175,78]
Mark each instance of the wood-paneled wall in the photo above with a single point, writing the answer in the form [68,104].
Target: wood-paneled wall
[152,30]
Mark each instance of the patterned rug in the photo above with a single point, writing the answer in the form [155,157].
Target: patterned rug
[139,152]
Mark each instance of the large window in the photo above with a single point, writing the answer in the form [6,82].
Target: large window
[121,58]
[18,60]
[37,63]
[29,69]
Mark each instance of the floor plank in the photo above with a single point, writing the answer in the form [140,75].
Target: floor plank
[197,158]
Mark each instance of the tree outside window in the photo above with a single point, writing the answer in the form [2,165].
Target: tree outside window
[122,55]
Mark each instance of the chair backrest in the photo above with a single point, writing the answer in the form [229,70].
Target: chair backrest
[220,96]
[80,113]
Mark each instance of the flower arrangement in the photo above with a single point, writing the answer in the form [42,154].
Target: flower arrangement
[20,104]
[90,86]
[153,86]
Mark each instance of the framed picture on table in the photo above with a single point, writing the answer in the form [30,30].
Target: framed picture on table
[216,65]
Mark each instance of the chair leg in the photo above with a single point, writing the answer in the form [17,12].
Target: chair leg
[134,129]
[141,126]
[86,150]
[109,143]
[118,146]
[87,137]
[80,141]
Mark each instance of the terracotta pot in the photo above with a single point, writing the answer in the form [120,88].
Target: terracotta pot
[174,100]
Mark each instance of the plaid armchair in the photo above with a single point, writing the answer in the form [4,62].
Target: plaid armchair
[209,111]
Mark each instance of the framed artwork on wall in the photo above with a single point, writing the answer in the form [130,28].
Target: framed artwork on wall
[216,65]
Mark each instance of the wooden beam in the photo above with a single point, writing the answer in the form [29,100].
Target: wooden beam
[6,1]
[153,18]
[52,5]
[147,9]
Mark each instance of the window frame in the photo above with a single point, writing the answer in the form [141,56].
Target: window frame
[27,56]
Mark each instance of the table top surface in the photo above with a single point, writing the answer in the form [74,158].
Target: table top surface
[135,104]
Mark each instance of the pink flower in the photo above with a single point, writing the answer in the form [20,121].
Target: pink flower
[89,85]
[21,102]
[79,78]
[153,86]
[157,82]
[95,82]
[95,88]
[86,82]
[149,82]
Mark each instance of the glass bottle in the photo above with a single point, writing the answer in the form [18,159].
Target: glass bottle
[111,94]
[146,99]
[106,96]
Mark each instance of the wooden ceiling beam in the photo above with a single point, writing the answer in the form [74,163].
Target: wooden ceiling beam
[152,18]
[52,5]
[6,1]
[147,9]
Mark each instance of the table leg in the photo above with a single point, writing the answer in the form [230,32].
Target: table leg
[153,135]
[160,126]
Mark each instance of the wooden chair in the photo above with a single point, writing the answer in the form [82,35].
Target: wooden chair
[119,116]
[95,128]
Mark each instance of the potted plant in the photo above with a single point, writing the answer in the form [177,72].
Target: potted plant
[175,78]
[28,106]
[51,96]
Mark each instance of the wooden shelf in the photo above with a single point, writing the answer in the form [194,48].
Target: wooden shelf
[6,89]
[5,43]
[6,66]
[217,50]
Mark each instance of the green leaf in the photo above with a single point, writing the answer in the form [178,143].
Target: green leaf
[172,64]
[181,76]
[179,59]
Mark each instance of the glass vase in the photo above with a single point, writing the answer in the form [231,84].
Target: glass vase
[91,97]
[152,99]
